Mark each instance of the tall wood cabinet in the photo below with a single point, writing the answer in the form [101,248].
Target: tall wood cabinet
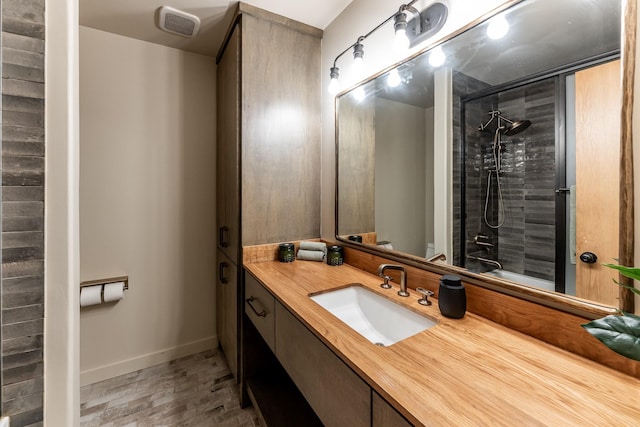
[268,149]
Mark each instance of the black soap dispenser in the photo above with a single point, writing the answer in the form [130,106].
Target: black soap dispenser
[452,298]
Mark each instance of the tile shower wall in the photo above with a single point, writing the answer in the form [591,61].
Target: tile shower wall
[462,85]
[23,29]
[525,244]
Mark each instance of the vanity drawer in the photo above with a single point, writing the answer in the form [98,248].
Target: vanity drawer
[259,305]
[337,395]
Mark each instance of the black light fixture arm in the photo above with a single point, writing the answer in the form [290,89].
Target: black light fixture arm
[408,6]
[424,24]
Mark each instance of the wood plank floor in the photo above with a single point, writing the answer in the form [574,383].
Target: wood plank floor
[197,390]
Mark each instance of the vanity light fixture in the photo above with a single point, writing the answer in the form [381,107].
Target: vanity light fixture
[408,33]
[334,84]
[498,27]
[401,42]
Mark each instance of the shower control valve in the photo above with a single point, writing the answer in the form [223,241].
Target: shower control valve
[588,257]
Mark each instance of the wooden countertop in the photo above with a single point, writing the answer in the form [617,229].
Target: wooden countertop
[462,372]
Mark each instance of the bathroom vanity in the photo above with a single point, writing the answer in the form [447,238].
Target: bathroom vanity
[468,371]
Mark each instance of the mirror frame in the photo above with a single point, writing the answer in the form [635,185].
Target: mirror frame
[566,303]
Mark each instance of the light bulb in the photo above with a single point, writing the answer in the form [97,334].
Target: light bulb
[359,94]
[358,58]
[401,41]
[394,79]
[437,57]
[358,66]
[498,28]
[334,84]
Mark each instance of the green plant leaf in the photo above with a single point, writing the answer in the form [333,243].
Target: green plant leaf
[631,288]
[620,333]
[631,272]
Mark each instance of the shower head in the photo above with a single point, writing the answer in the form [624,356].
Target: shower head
[516,127]
[509,128]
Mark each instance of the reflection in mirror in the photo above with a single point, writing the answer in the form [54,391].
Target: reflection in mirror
[498,154]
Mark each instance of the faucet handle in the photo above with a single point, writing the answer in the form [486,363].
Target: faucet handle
[426,293]
[386,284]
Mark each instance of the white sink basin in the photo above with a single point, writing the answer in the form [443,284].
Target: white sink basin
[381,321]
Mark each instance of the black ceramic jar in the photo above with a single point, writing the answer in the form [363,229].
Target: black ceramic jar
[335,255]
[452,298]
[286,252]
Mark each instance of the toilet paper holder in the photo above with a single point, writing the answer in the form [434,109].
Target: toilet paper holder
[124,279]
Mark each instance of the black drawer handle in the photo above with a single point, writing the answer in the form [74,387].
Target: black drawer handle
[222,241]
[260,313]
[221,277]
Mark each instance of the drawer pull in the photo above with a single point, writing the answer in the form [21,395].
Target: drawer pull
[222,241]
[260,313]
[221,276]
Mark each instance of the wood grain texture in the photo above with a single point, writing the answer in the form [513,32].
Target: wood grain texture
[540,321]
[468,371]
[227,323]
[267,252]
[337,395]
[598,99]
[356,142]
[264,304]
[627,226]
[280,133]
[247,9]
[228,147]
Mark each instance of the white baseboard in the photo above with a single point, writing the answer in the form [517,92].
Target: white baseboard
[146,360]
[4,422]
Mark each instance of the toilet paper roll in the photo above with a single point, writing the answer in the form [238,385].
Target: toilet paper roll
[90,295]
[113,291]
[310,255]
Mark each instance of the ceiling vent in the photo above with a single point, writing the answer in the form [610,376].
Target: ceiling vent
[175,21]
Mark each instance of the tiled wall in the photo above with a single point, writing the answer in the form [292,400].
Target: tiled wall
[462,85]
[525,244]
[23,28]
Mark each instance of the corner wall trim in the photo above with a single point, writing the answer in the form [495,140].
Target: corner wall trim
[105,372]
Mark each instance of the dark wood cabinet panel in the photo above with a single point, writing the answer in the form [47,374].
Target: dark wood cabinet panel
[338,396]
[227,310]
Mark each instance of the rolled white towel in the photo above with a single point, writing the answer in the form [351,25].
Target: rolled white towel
[308,255]
[313,246]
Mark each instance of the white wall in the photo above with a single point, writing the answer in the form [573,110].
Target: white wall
[357,19]
[401,171]
[147,201]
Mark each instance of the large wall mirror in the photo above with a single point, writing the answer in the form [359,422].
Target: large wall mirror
[494,155]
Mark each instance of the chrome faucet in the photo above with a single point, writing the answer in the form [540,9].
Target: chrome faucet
[403,277]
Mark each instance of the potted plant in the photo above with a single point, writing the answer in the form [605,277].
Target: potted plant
[621,333]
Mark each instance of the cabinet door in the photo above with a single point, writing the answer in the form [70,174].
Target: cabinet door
[227,310]
[384,415]
[280,133]
[228,147]
[337,395]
